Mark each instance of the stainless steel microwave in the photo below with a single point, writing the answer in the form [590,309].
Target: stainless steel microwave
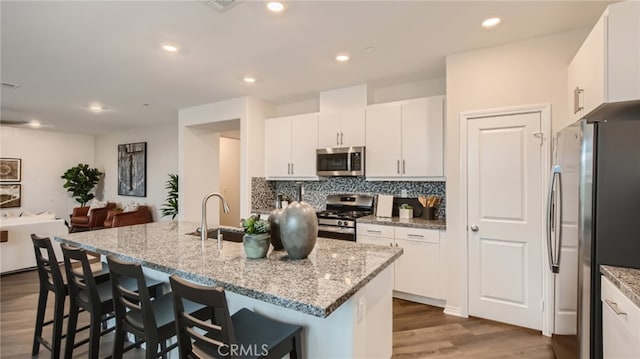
[343,161]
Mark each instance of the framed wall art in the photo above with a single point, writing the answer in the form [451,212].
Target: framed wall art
[10,169]
[132,169]
[10,195]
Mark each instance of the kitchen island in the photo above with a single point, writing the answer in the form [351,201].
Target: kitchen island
[341,294]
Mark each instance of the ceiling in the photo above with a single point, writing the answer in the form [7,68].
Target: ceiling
[66,55]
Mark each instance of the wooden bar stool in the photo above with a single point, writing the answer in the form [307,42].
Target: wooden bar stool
[95,298]
[150,320]
[245,334]
[52,280]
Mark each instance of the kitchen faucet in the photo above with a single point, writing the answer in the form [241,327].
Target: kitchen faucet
[203,226]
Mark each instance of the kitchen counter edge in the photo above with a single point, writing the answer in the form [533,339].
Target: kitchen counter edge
[625,279]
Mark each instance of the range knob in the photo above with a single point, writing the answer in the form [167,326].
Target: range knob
[340,223]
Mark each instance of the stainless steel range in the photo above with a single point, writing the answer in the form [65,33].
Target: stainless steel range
[339,220]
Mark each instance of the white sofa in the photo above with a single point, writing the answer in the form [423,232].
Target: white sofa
[17,253]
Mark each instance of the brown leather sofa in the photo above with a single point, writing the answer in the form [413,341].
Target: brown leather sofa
[82,219]
[118,218]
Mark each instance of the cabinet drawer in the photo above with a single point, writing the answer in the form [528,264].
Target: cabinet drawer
[418,234]
[614,300]
[374,230]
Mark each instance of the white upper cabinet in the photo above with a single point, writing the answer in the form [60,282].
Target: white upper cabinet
[290,147]
[384,140]
[405,139]
[341,129]
[606,68]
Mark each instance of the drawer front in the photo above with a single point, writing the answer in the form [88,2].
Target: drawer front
[613,299]
[374,230]
[418,234]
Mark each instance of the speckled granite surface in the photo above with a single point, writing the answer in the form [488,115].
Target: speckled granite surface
[334,271]
[625,279]
[414,222]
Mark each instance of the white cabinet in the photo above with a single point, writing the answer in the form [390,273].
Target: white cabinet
[417,270]
[606,68]
[290,147]
[620,324]
[343,129]
[405,139]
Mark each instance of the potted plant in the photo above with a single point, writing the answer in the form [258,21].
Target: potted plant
[80,182]
[256,237]
[170,207]
[406,211]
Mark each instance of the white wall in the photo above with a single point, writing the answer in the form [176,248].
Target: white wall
[408,90]
[162,159]
[524,73]
[230,179]
[45,157]
[198,122]
[375,94]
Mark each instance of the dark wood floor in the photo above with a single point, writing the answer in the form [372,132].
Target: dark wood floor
[419,331]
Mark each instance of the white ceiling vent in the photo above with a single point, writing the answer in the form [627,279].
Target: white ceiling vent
[223,5]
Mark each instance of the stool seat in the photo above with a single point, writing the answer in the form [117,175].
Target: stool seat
[149,320]
[245,334]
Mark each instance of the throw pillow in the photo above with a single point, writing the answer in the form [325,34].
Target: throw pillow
[96,205]
[131,207]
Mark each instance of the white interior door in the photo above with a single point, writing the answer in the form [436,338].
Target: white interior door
[505,199]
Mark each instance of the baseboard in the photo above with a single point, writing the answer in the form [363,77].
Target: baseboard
[419,299]
[451,310]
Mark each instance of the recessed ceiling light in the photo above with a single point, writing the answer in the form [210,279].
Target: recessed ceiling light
[170,47]
[491,22]
[96,108]
[35,124]
[276,6]
[249,79]
[343,57]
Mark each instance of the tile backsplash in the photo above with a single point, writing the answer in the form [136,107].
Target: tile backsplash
[315,192]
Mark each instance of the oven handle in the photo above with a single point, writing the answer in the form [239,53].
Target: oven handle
[336,229]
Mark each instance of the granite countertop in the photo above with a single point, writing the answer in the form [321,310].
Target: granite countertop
[318,285]
[415,222]
[625,279]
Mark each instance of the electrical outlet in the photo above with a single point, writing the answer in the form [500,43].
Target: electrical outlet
[403,193]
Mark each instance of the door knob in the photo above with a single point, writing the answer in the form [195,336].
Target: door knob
[474,228]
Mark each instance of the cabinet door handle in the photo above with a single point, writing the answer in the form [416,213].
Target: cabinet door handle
[292,171]
[411,235]
[396,244]
[398,167]
[288,168]
[337,138]
[576,100]
[403,167]
[372,231]
[341,138]
[614,307]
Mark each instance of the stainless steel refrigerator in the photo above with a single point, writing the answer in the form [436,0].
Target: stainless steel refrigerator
[593,218]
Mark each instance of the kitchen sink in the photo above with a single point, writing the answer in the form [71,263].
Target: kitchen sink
[228,234]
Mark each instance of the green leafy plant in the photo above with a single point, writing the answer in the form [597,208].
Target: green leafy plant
[80,182]
[170,207]
[255,225]
[405,206]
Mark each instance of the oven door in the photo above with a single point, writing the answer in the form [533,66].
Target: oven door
[333,232]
